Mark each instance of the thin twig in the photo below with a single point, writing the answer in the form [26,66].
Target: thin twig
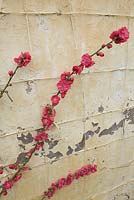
[20,168]
[27,160]
[7,93]
[8,83]
[95,53]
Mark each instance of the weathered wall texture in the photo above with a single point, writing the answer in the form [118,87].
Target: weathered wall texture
[96,119]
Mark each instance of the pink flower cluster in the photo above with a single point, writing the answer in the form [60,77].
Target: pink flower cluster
[120,36]
[65,83]
[48,116]
[8,184]
[86,61]
[84,171]
[40,139]
[23,59]
[66,80]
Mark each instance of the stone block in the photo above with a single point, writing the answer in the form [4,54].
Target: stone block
[102,7]
[104,92]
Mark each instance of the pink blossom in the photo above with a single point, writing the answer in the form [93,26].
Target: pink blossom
[4,193]
[120,36]
[63,94]
[66,76]
[48,116]
[47,121]
[10,73]
[63,86]
[42,136]
[17,177]
[26,168]
[23,59]
[84,171]
[69,179]
[101,54]
[39,146]
[77,69]
[87,60]
[61,183]
[109,46]
[55,99]
[7,184]
[49,111]
[13,166]
[1,170]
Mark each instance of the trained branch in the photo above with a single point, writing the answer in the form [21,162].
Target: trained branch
[21,61]
[63,86]
[8,84]
[45,127]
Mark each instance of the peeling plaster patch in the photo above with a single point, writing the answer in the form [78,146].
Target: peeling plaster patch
[20,128]
[101,109]
[122,196]
[80,145]
[22,146]
[55,155]
[42,23]
[127,104]
[25,139]
[21,158]
[29,88]
[87,134]
[41,153]
[129,115]
[112,129]
[70,150]
[97,130]
[52,143]
[94,124]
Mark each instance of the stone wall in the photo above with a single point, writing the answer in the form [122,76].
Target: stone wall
[95,122]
